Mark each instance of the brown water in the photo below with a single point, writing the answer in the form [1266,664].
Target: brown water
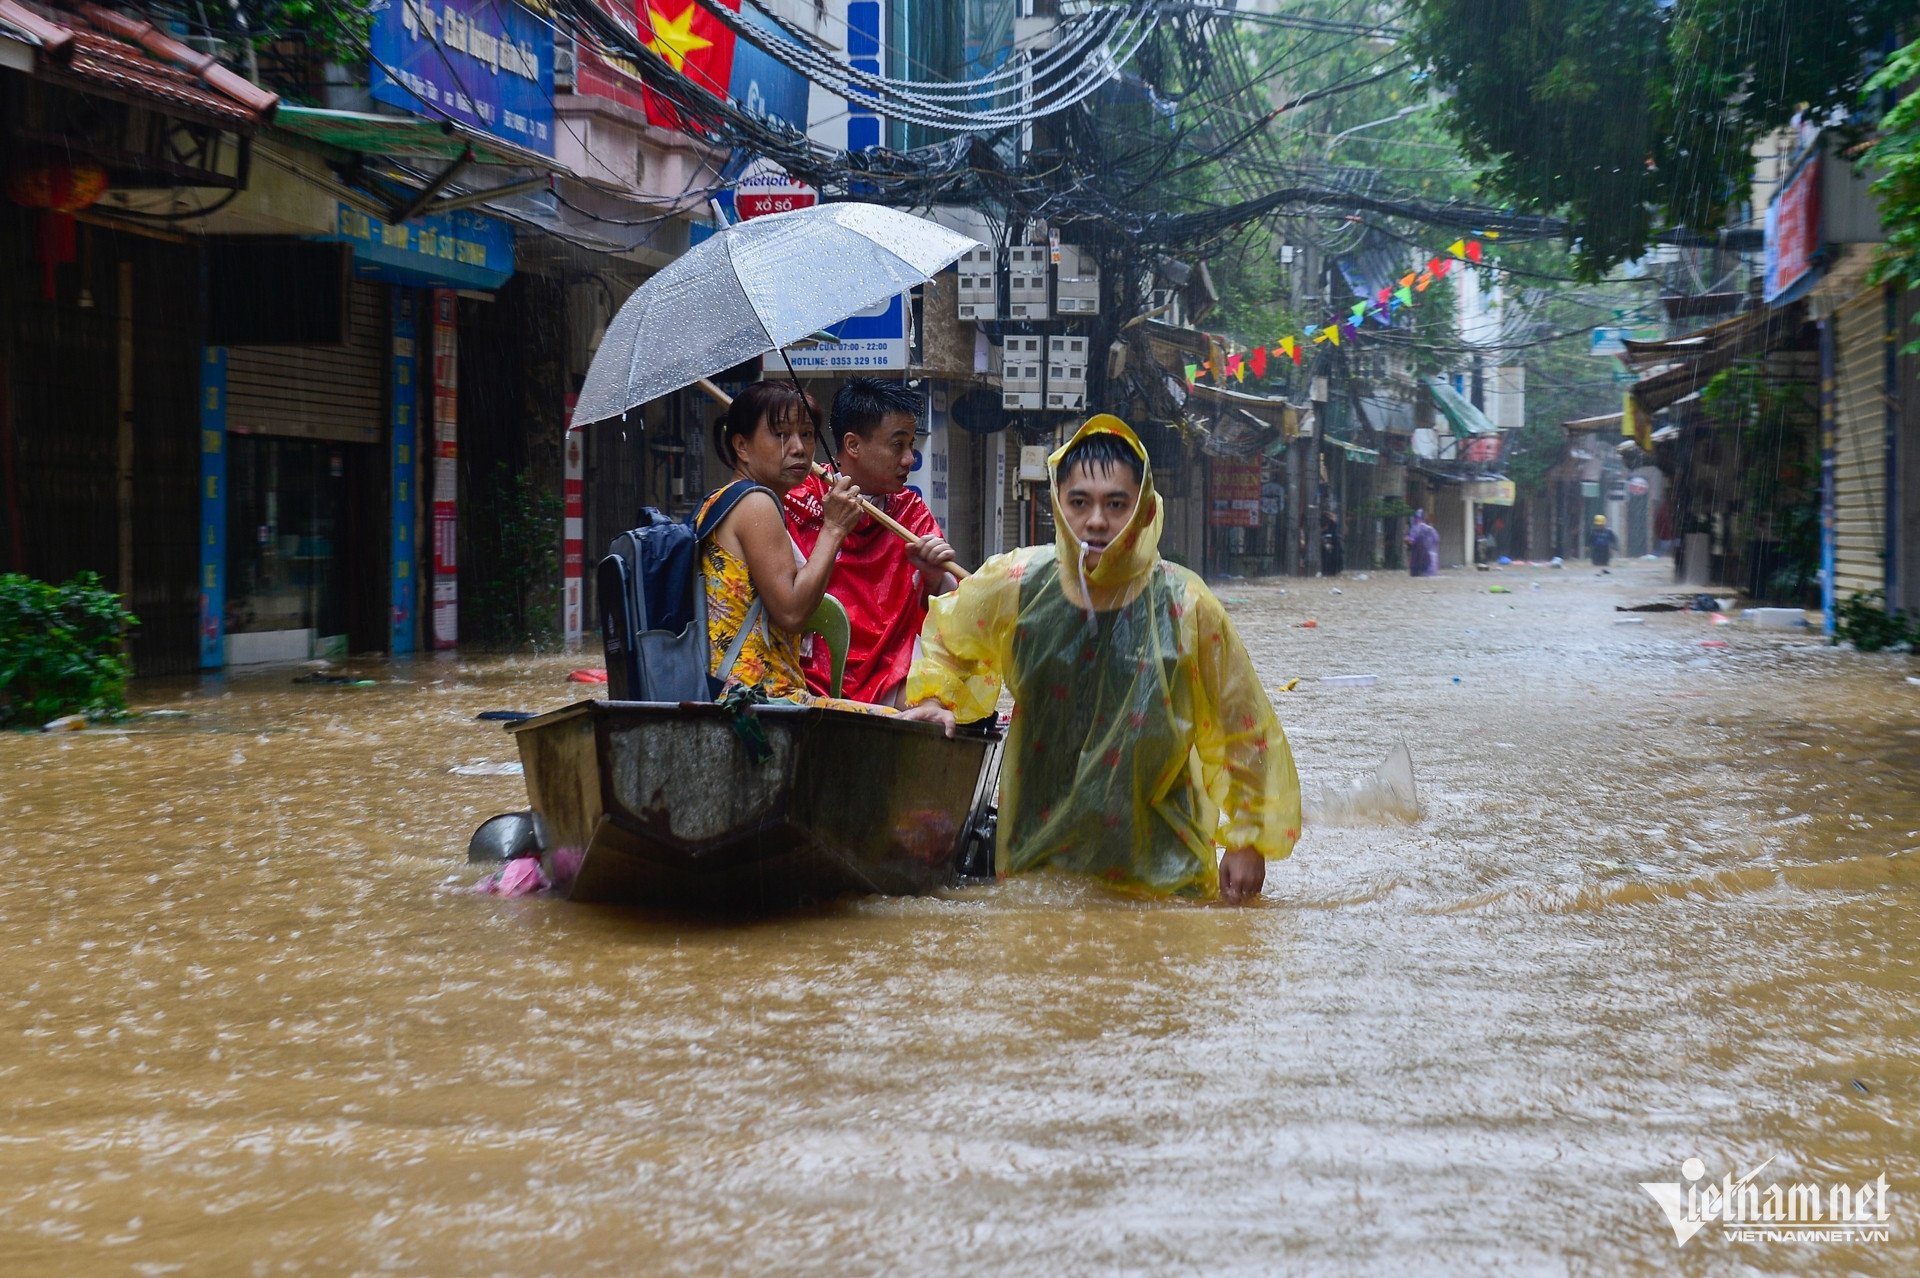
[1663,903]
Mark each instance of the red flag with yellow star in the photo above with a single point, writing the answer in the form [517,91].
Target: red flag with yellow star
[691,41]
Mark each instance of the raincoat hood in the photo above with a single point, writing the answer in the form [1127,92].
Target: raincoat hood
[1132,554]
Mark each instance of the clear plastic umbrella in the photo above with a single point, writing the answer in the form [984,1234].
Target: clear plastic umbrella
[755,287]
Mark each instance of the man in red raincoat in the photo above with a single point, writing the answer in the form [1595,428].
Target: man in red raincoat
[883,581]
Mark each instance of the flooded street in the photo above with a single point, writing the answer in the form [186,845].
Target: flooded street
[1664,903]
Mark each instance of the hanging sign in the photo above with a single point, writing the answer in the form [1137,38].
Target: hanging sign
[487,64]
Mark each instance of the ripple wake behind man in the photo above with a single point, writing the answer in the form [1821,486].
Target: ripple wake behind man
[883,582]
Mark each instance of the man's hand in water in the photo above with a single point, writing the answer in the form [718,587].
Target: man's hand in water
[932,556]
[931,712]
[1242,873]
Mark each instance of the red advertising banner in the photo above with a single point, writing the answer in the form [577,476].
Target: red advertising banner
[573,553]
[446,478]
[1236,492]
[1793,229]
[1481,449]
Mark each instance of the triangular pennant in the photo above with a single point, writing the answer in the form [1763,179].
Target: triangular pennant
[1441,267]
[1240,373]
[1384,294]
[1426,278]
[1406,281]
[1333,334]
[1193,371]
[1458,248]
[1233,366]
[1473,251]
[1289,348]
[1258,361]
[1405,295]
[1322,336]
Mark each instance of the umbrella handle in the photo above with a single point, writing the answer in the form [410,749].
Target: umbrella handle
[882,517]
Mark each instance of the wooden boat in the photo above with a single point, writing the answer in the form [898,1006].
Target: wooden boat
[669,804]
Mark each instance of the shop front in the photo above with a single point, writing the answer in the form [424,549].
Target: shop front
[314,454]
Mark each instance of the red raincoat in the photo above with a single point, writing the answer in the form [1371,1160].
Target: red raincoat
[882,591]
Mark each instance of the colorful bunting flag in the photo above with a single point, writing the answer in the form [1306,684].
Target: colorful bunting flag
[1193,372]
[1333,333]
[1257,361]
[1405,295]
[1473,251]
[1458,248]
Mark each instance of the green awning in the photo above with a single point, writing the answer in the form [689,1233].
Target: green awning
[1464,417]
[405,136]
[1355,453]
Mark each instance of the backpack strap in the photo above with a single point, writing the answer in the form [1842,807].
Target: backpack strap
[747,624]
[721,504]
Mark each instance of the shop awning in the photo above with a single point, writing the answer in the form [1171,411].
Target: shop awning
[448,148]
[1464,417]
[406,136]
[1606,423]
[1355,453]
[1276,413]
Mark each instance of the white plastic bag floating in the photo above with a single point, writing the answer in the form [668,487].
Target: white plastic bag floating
[1390,794]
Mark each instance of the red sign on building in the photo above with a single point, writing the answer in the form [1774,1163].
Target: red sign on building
[1793,229]
[1236,492]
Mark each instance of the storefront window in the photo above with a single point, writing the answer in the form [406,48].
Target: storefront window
[286,507]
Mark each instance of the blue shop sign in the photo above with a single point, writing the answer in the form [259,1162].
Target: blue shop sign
[764,86]
[487,64]
[442,250]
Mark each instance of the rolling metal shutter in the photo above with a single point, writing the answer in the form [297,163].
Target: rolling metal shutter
[1860,449]
[316,392]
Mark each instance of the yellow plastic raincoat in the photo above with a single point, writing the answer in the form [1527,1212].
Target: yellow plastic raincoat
[1141,736]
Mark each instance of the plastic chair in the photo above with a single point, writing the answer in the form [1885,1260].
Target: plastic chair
[829,621]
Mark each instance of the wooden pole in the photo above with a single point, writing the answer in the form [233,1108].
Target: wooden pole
[880,516]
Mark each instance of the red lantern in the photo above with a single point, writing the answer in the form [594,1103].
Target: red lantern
[57,188]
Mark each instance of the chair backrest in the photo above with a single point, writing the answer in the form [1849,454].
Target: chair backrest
[829,621]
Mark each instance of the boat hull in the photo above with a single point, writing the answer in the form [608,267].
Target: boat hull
[664,804]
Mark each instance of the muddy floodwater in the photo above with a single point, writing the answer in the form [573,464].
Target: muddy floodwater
[1663,903]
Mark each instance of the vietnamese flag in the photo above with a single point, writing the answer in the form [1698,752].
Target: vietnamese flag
[691,41]
[694,44]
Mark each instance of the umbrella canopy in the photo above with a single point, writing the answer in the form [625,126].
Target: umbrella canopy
[756,286]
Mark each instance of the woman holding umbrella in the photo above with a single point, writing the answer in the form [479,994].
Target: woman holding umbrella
[756,579]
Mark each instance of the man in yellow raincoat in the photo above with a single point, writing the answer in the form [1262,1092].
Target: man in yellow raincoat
[1141,736]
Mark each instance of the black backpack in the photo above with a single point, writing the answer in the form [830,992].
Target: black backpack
[653,604]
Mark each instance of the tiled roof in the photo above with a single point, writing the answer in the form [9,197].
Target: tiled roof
[123,56]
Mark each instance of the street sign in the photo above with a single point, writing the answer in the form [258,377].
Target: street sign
[768,188]
[1609,341]
[873,339]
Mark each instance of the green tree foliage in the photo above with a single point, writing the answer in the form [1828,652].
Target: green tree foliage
[1895,160]
[1633,115]
[60,650]
[519,542]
